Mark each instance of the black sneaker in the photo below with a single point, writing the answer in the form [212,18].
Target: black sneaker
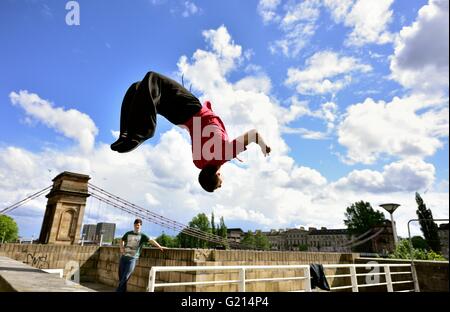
[122,138]
[129,144]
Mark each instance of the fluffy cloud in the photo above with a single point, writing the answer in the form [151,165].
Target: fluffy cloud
[371,129]
[297,23]
[420,61]
[267,10]
[320,68]
[190,9]
[328,112]
[71,123]
[368,20]
[409,175]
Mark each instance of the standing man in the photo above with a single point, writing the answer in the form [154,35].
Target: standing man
[130,249]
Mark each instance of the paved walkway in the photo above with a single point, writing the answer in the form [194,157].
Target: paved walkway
[16,276]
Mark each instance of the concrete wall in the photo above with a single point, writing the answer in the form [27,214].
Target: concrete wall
[432,275]
[101,265]
[109,256]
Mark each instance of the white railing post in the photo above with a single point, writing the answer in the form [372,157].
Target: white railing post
[354,278]
[414,276]
[242,280]
[307,280]
[151,280]
[387,273]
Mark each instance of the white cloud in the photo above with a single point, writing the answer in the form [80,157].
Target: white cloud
[258,84]
[297,23]
[320,68]
[404,127]
[304,11]
[339,8]
[408,175]
[328,112]
[420,61]
[190,8]
[71,123]
[267,10]
[368,19]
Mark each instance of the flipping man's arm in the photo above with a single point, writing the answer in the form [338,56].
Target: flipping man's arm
[253,136]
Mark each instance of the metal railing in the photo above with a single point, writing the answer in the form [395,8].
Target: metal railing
[60,272]
[244,269]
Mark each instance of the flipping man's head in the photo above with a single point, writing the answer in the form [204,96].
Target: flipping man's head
[209,178]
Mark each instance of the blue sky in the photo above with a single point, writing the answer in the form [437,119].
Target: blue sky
[352,95]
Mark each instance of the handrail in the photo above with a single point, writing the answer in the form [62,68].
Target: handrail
[242,271]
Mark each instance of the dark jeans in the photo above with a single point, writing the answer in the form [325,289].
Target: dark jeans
[155,94]
[126,267]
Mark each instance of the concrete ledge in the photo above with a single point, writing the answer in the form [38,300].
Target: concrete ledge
[19,277]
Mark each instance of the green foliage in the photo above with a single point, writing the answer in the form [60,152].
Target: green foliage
[248,241]
[403,251]
[167,241]
[303,247]
[255,241]
[428,227]
[202,223]
[213,225]
[9,232]
[361,217]
[261,241]
[419,243]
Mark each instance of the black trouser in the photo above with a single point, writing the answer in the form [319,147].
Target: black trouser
[155,94]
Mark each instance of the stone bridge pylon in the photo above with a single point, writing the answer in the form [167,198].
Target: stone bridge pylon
[65,209]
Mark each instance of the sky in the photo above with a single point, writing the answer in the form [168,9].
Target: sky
[351,95]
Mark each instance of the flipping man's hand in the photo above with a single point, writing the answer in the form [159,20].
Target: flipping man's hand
[266,150]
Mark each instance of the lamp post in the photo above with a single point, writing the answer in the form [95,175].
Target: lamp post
[391,208]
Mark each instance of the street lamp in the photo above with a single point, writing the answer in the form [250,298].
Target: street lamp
[391,208]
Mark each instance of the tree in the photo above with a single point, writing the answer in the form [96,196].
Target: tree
[261,241]
[303,247]
[167,241]
[9,232]
[428,227]
[403,251]
[419,242]
[213,225]
[200,222]
[222,230]
[248,241]
[361,217]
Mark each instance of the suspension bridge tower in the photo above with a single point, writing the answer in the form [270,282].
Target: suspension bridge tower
[65,209]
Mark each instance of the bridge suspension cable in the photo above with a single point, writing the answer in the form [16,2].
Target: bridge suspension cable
[131,208]
[143,215]
[355,242]
[25,200]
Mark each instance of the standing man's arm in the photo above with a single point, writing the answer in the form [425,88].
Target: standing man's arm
[155,243]
[122,247]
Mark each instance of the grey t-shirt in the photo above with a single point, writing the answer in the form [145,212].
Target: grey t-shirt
[133,243]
